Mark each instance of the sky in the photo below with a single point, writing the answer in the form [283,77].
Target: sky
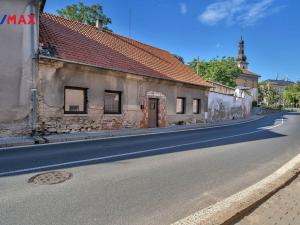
[212,28]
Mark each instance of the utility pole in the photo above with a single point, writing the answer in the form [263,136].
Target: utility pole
[198,65]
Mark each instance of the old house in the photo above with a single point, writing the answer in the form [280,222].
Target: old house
[247,79]
[92,79]
[75,77]
[279,85]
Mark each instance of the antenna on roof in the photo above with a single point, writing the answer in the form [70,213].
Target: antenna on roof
[129,22]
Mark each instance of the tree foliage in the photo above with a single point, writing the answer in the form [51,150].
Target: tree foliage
[222,70]
[85,14]
[268,94]
[180,58]
[292,94]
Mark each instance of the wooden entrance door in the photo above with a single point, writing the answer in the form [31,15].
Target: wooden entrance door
[153,112]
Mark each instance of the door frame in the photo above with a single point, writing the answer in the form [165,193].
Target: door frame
[157,111]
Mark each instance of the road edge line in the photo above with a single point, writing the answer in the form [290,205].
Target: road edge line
[235,207]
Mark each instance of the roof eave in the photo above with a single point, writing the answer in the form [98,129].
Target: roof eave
[214,82]
[123,71]
[253,75]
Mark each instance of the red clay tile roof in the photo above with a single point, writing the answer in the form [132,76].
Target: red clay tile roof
[86,44]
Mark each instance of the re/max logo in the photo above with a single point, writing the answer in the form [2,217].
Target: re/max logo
[17,20]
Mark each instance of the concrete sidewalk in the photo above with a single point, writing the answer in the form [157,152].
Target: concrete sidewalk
[28,140]
[283,208]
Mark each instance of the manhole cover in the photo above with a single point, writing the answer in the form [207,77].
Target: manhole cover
[54,177]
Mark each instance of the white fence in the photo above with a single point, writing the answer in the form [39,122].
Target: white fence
[226,107]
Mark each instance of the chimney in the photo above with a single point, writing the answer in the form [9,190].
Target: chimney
[99,24]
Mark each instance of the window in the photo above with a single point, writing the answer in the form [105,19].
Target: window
[180,105]
[196,106]
[112,102]
[75,100]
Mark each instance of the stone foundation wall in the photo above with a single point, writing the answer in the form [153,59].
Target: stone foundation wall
[53,120]
[81,123]
[15,128]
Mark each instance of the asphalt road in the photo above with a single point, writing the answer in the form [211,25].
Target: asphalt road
[146,180]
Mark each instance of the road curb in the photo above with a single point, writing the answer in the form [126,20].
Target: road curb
[235,207]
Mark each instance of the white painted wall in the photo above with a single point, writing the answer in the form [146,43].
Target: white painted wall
[226,107]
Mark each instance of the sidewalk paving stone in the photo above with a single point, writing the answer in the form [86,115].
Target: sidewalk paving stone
[283,208]
[16,141]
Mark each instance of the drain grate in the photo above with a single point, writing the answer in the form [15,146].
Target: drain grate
[53,177]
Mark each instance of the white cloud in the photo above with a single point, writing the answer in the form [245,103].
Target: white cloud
[183,8]
[221,10]
[244,12]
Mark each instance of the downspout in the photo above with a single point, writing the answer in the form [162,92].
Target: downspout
[33,68]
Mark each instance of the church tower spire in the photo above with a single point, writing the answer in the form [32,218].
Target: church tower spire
[242,58]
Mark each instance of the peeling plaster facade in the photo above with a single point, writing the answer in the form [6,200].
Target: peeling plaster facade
[16,68]
[226,107]
[136,90]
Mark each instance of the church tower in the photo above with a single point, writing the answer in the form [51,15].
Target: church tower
[242,59]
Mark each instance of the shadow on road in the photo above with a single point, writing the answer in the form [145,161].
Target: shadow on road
[68,155]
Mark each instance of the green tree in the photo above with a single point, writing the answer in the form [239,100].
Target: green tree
[86,14]
[268,95]
[180,58]
[262,91]
[292,94]
[222,70]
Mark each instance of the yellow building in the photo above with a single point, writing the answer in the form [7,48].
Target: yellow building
[247,79]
